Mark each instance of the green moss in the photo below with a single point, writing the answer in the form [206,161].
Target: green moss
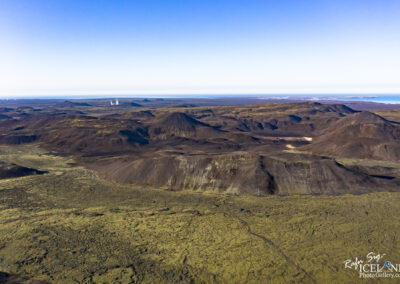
[69,225]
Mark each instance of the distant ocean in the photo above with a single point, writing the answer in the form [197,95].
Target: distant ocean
[386,99]
[391,99]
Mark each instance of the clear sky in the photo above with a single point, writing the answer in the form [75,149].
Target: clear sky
[58,47]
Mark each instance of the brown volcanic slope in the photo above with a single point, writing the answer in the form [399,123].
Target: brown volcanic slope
[178,124]
[362,135]
[237,173]
[283,119]
[75,134]
[237,149]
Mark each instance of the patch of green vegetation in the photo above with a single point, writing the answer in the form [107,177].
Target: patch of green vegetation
[368,163]
[69,225]
[294,151]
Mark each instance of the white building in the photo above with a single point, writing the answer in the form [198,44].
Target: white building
[116,103]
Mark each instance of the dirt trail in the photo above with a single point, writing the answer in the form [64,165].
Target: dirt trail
[223,201]
[271,243]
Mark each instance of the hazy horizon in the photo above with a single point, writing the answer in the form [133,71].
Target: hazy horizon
[376,98]
[95,48]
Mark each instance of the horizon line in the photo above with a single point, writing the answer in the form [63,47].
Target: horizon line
[193,95]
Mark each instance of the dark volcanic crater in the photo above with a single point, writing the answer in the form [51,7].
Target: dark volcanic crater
[13,171]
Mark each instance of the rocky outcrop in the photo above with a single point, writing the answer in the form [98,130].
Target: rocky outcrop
[243,173]
[308,174]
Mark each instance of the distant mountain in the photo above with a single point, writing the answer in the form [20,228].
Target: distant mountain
[72,104]
[361,135]
[135,104]
[181,125]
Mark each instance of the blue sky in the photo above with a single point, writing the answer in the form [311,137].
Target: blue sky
[133,47]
